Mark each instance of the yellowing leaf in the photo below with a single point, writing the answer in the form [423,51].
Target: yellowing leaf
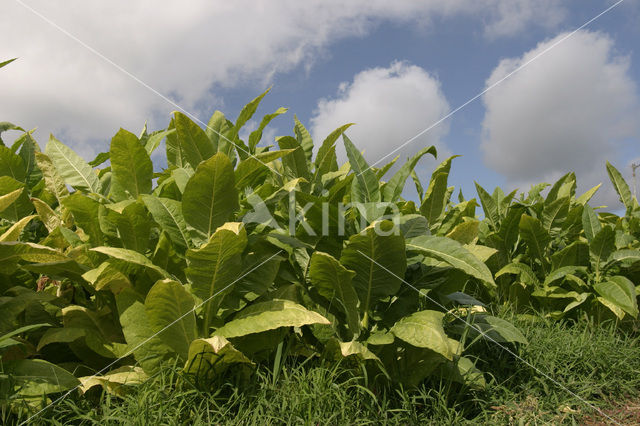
[8,199]
[270,315]
[424,330]
[13,233]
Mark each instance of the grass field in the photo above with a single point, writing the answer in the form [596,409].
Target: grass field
[598,365]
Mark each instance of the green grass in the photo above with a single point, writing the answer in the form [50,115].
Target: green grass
[596,363]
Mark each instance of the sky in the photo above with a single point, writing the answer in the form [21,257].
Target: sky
[509,85]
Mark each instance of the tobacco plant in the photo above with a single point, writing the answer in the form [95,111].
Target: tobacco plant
[240,252]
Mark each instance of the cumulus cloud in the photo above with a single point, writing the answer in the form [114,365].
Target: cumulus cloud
[186,51]
[571,109]
[510,17]
[388,106]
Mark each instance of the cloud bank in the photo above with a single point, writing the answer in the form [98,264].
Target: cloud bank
[187,50]
[571,109]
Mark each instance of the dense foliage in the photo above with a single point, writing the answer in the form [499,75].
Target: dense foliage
[240,253]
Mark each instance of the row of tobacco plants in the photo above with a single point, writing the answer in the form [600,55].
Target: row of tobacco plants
[241,253]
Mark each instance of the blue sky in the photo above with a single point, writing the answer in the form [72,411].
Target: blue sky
[208,59]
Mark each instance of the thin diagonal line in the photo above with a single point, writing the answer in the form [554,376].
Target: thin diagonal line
[560,385]
[153,336]
[134,77]
[495,84]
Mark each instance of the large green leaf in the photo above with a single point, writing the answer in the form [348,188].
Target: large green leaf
[493,328]
[170,309]
[365,189]
[14,231]
[536,237]
[457,214]
[555,212]
[12,165]
[384,169]
[621,187]
[26,147]
[488,205]
[602,245]
[59,270]
[563,188]
[5,125]
[216,130]
[326,160]
[102,334]
[576,253]
[8,199]
[134,227]
[134,258]
[627,257]
[115,381]
[109,275]
[153,141]
[20,206]
[214,267]
[452,253]
[413,225]
[47,215]
[12,252]
[52,179]
[483,253]
[256,135]
[71,167]
[351,349]
[424,329]
[6,339]
[211,357]
[61,335]
[189,144]
[37,377]
[393,189]
[210,196]
[85,212]
[510,226]
[295,164]
[584,198]
[252,168]
[523,271]
[463,371]
[245,115]
[562,272]
[333,282]
[146,346]
[465,232]
[130,165]
[260,268]
[437,195]
[265,316]
[621,292]
[378,258]
[168,214]
[590,222]
[181,176]
[304,138]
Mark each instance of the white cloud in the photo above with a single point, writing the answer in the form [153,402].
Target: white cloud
[388,106]
[510,17]
[571,109]
[184,50]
